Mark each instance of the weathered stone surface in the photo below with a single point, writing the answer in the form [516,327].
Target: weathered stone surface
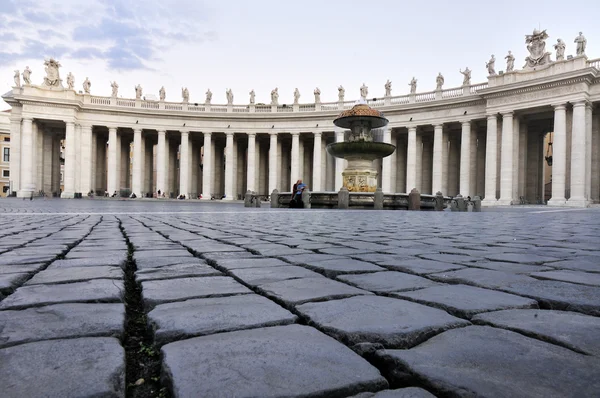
[583,278]
[162,253]
[261,276]
[198,317]
[480,277]
[272,249]
[510,267]
[289,361]
[87,262]
[163,291]
[582,263]
[388,321]
[8,282]
[75,274]
[84,367]
[111,256]
[561,295]
[97,290]
[466,301]
[521,258]
[14,259]
[298,291]
[61,321]
[490,362]
[341,266]
[389,281]
[176,271]
[576,331]
[409,392]
[421,267]
[451,258]
[237,263]
[166,262]
[15,269]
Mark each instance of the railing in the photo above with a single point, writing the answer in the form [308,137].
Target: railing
[174,107]
[285,108]
[331,106]
[399,100]
[241,109]
[425,97]
[218,109]
[150,105]
[263,108]
[126,102]
[452,92]
[100,100]
[196,108]
[594,63]
[481,86]
[375,103]
[307,108]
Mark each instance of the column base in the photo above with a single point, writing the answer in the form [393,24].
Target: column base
[489,202]
[578,202]
[24,193]
[557,202]
[67,195]
[504,202]
[228,198]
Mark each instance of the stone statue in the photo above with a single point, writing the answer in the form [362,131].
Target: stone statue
[252,96]
[439,81]
[491,66]
[87,85]
[510,62]
[27,75]
[341,93]
[467,76]
[138,92]
[317,93]
[185,94]
[413,85]
[52,78]
[17,78]
[560,47]
[115,89]
[229,94]
[274,97]
[364,91]
[581,43]
[388,88]
[296,96]
[536,45]
[208,96]
[162,94]
[70,81]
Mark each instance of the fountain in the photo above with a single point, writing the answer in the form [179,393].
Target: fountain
[360,150]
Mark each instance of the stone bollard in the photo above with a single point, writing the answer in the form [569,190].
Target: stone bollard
[256,200]
[453,205]
[275,199]
[439,201]
[343,198]
[414,200]
[248,199]
[461,205]
[477,204]
[469,206]
[378,204]
[306,198]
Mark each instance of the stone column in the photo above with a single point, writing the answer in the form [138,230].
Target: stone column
[386,163]
[26,188]
[411,159]
[438,159]
[578,156]
[589,151]
[161,162]
[465,160]
[38,156]
[295,159]
[138,175]
[272,162]
[316,180]
[56,164]
[251,168]
[78,164]
[69,169]
[207,167]
[148,166]
[490,161]
[339,163]
[507,164]
[15,153]
[184,164]
[229,166]
[114,151]
[47,165]
[86,159]
[559,156]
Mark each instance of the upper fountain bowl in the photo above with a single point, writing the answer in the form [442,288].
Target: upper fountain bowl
[363,113]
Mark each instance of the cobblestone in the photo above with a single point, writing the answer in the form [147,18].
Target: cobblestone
[265,302]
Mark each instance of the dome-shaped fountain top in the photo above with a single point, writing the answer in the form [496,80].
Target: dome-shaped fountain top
[363,113]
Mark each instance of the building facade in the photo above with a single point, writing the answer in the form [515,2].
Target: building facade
[4,153]
[489,139]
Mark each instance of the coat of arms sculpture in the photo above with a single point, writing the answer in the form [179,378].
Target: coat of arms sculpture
[536,45]
[52,78]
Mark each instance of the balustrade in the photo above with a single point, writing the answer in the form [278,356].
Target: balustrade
[100,100]
[594,63]
[425,97]
[150,105]
[195,108]
[452,92]
[126,102]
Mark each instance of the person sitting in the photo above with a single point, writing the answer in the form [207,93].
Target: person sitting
[133,195]
[298,194]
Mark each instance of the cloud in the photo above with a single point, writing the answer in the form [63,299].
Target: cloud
[87,53]
[8,7]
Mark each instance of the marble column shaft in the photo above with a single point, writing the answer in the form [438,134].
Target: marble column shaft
[490,159]
[295,159]
[207,163]
[465,160]
[578,155]
[272,162]
[559,156]
[161,162]
[184,167]
[386,164]
[15,153]
[316,180]
[251,167]
[114,150]
[506,170]
[69,169]
[438,159]
[411,160]
[26,156]
[138,175]
[86,159]
[229,154]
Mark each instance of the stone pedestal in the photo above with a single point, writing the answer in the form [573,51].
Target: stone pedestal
[360,176]
[414,200]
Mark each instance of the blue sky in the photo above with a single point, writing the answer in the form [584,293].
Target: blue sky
[265,44]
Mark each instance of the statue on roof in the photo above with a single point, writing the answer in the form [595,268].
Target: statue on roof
[115,89]
[70,81]
[17,78]
[510,62]
[491,66]
[52,78]
[581,43]
[466,76]
[162,94]
[138,92]
[27,75]
[86,85]
[413,85]
[185,94]
[439,81]
[388,88]
[275,96]
[364,91]
[560,47]
[341,93]
[536,45]
[252,96]
[317,93]
[208,97]
[296,96]
[229,94]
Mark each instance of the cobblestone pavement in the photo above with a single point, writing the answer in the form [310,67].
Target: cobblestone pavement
[140,298]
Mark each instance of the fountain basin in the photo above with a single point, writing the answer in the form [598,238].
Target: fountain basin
[360,150]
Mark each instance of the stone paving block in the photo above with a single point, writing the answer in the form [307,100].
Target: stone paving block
[560,295]
[480,277]
[302,290]
[168,290]
[345,251]
[261,276]
[290,361]
[260,262]
[513,268]
[96,290]
[273,249]
[75,274]
[113,255]
[213,247]
[216,256]
[582,263]
[9,282]
[575,331]
[332,268]
[87,262]
[16,269]
[166,262]
[84,367]
[489,362]
[139,254]
[466,301]
[421,267]
[198,317]
[176,271]
[521,258]
[389,281]
[451,258]
[582,278]
[61,321]
[408,392]
[379,320]
[13,259]
[312,258]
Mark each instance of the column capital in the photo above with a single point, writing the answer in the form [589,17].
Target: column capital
[251,134]
[412,128]
[209,133]
[438,125]
[295,133]
[161,132]
[86,125]
[273,133]
[559,107]
[579,103]
[492,116]
[507,113]
[466,122]
[184,131]
[69,121]
[318,134]
[137,131]
[229,133]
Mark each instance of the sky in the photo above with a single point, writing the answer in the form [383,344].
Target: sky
[263,44]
